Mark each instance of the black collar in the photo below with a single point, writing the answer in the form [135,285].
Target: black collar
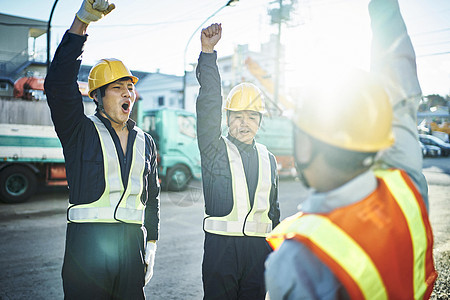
[242,146]
[130,123]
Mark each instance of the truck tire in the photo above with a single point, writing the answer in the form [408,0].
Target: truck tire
[17,184]
[177,178]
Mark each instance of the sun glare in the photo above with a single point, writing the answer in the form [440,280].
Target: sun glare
[328,41]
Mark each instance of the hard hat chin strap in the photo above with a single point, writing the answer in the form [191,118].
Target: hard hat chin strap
[102,108]
[301,166]
[301,174]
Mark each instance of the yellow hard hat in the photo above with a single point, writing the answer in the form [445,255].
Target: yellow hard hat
[106,71]
[245,96]
[351,112]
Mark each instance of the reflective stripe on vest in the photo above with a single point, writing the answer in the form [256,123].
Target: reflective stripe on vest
[417,227]
[244,220]
[362,262]
[115,204]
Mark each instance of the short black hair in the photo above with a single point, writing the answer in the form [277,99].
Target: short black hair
[103,88]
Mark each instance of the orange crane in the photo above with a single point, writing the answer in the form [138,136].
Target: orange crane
[32,88]
[265,80]
[276,132]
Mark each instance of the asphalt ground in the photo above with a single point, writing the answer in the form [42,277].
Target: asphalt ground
[178,261]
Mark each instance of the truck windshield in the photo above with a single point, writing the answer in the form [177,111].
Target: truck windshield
[186,126]
[149,126]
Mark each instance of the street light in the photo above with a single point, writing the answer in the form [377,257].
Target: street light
[229,3]
[48,34]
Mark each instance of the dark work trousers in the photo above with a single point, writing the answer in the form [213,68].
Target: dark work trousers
[104,261]
[233,267]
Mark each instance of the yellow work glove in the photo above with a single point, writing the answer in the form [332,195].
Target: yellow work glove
[94,10]
[150,251]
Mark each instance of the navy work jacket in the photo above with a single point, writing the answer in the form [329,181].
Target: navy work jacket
[81,144]
[216,174]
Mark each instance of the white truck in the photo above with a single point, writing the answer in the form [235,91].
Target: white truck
[30,155]
[30,152]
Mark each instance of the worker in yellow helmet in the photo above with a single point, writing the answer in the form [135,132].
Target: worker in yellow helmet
[240,183]
[363,232]
[113,213]
[107,71]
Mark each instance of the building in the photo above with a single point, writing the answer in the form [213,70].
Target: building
[18,53]
[20,58]
[163,90]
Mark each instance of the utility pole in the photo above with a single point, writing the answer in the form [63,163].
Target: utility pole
[277,55]
[279,15]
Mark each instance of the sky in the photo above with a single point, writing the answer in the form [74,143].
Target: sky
[154,35]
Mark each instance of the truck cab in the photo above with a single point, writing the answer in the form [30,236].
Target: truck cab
[175,135]
[276,133]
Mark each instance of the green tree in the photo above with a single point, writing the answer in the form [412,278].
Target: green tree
[436,100]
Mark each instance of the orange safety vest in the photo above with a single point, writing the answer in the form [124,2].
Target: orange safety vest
[378,248]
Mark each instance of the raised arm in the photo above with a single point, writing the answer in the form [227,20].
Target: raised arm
[209,101]
[210,37]
[78,27]
[63,95]
[90,11]
[394,60]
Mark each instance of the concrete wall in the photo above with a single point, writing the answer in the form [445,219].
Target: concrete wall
[18,111]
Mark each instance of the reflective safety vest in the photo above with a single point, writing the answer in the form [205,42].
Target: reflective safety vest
[245,220]
[378,248]
[116,204]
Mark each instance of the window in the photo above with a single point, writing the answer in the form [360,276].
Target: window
[4,86]
[186,126]
[149,126]
[149,123]
[161,101]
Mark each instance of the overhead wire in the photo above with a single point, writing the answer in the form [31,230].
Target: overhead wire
[238,33]
[433,54]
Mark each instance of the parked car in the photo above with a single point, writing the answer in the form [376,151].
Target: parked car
[430,150]
[429,140]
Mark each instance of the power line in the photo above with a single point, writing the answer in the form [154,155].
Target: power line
[430,32]
[433,54]
[136,24]
[433,44]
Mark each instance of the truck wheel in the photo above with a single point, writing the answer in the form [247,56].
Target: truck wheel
[17,184]
[177,178]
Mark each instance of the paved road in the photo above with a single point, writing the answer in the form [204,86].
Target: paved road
[32,238]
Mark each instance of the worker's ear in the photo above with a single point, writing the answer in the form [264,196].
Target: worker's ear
[94,95]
